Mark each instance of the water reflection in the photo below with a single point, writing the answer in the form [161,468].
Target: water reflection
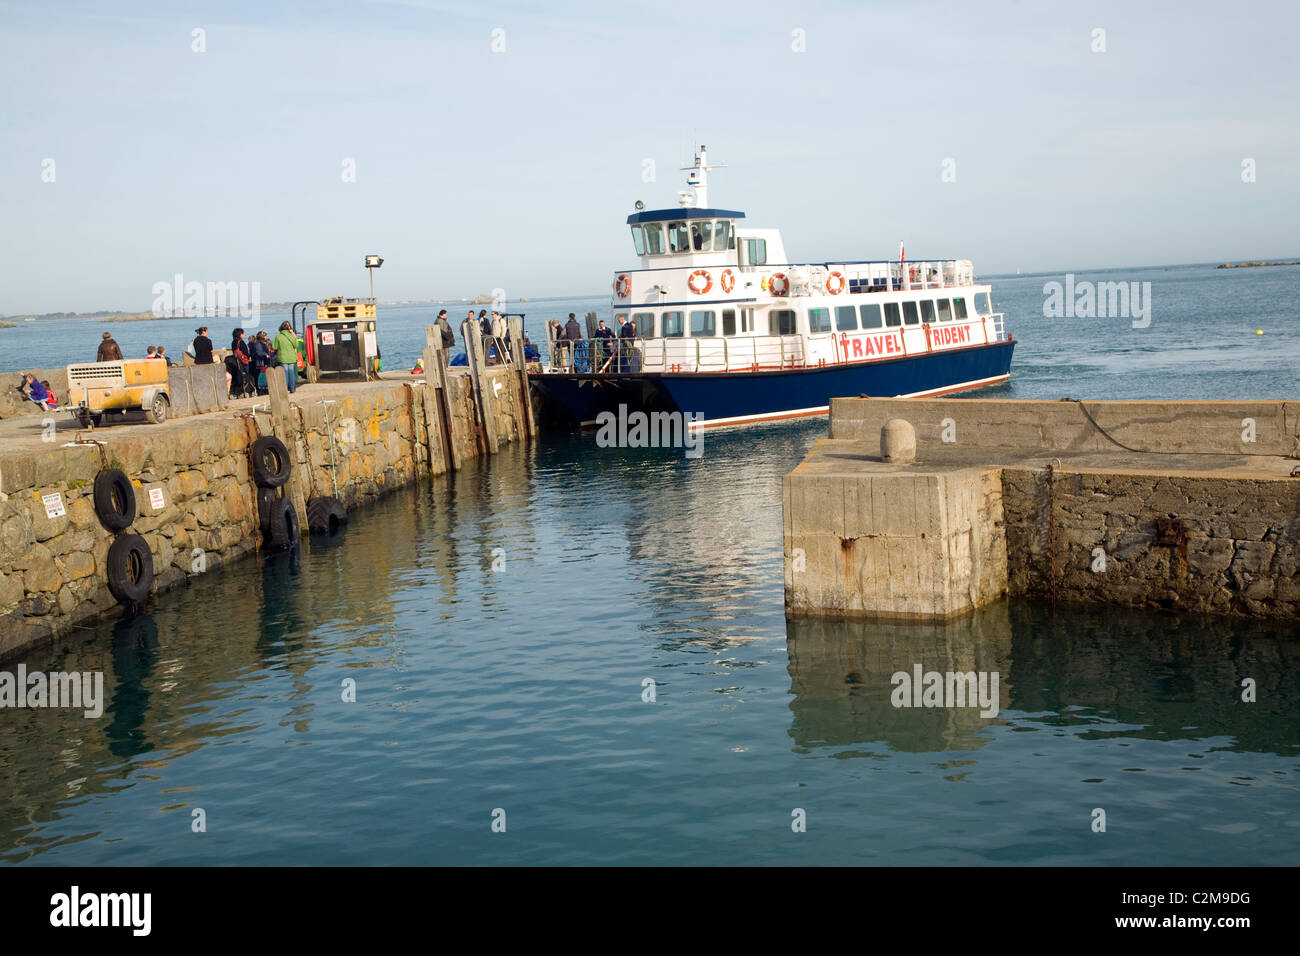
[840,676]
[1107,674]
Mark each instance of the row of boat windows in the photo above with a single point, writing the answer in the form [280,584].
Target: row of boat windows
[700,235]
[703,323]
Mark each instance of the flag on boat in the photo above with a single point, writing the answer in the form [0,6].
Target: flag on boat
[900,250]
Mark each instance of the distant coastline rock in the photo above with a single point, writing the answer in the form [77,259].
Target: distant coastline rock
[8,325]
[482,299]
[1253,264]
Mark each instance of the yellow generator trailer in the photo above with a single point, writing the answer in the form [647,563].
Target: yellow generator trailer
[104,392]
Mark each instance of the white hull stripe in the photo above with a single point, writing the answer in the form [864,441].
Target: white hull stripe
[823,409]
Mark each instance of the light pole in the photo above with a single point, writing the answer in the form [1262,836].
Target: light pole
[373,263]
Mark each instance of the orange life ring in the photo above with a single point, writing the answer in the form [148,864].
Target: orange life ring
[622,286]
[727,280]
[911,273]
[779,277]
[708,281]
[835,283]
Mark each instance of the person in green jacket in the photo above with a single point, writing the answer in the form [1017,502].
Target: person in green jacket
[285,347]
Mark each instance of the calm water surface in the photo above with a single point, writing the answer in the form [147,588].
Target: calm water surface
[521,689]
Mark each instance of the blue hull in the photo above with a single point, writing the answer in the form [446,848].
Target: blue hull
[732,397]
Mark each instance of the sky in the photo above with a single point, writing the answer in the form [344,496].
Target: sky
[501,146]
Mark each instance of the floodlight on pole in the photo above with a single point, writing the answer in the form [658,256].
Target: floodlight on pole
[373,263]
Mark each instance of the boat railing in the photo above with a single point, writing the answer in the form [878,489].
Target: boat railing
[878,275]
[678,354]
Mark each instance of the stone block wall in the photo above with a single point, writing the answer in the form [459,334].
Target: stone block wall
[1239,551]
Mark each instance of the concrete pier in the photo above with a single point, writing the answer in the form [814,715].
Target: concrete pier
[1187,505]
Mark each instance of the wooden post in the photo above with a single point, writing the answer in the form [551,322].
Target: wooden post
[434,434]
[436,374]
[478,371]
[282,425]
[529,424]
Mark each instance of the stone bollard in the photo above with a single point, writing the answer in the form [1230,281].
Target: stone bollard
[898,442]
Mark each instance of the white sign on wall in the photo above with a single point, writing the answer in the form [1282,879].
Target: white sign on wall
[156,498]
[53,505]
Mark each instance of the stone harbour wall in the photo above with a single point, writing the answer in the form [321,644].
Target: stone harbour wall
[53,573]
[1238,550]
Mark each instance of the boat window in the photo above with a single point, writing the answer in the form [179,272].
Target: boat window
[702,235]
[927,310]
[945,310]
[909,313]
[747,320]
[846,318]
[982,303]
[679,239]
[645,324]
[754,252]
[672,325]
[959,308]
[654,239]
[638,240]
[704,324]
[728,321]
[819,320]
[892,317]
[781,321]
[722,235]
[871,317]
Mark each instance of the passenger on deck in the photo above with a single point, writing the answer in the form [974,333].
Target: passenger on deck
[572,330]
[605,335]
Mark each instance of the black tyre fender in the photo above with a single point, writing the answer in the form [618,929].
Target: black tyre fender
[114,499]
[326,515]
[130,568]
[270,462]
[284,529]
[266,499]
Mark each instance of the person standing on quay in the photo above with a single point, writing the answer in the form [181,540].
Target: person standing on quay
[444,327]
[285,346]
[202,346]
[108,350]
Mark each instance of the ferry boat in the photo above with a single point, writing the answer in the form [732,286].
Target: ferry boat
[730,331]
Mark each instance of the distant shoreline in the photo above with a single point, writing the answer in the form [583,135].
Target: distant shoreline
[1253,264]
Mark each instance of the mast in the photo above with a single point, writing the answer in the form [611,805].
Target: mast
[698,180]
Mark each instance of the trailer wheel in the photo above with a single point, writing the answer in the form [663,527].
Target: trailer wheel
[130,569]
[326,515]
[284,526]
[270,462]
[114,499]
[157,410]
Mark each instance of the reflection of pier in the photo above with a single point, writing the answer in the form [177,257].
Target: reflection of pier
[840,677]
[1133,674]
[176,680]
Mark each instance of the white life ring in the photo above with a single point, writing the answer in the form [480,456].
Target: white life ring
[703,275]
